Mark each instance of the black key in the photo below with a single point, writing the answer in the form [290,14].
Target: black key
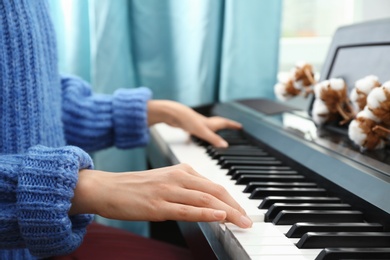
[233,142]
[298,229]
[260,193]
[289,217]
[237,141]
[234,169]
[253,185]
[246,179]
[250,157]
[277,207]
[237,174]
[344,239]
[225,158]
[354,253]
[231,134]
[229,163]
[238,148]
[241,153]
[199,141]
[268,201]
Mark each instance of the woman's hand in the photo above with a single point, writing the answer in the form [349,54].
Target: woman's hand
[171,193]
[179,115]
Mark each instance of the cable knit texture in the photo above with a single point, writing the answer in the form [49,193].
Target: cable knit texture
[43,118]
[97,121]
[45,188]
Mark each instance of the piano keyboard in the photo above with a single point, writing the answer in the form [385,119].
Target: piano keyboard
[293,217]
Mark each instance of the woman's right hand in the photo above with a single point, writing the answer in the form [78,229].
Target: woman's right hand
[171,193]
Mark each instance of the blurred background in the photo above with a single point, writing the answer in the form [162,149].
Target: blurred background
[195,51]
[307,26]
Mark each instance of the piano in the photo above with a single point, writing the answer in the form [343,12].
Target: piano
[311,193]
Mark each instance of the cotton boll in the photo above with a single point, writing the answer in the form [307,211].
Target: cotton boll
[332,85]
[298,80]
[359,93]
[284,77]
[367,83]
[319,87]
[286,89]
[379,102]
[299,84]
[280,90]
[358,101]
[303,74]
[333,93]
[356,134]
[320,112]
[386,85]
[337,84]
[376,97]
[361,132]
[367,113]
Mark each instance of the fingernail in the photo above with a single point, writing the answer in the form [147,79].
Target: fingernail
[223,144]
[247,222]
[219,214]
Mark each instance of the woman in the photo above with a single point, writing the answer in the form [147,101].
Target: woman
[48,187]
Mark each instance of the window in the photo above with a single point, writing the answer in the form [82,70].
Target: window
[308,26]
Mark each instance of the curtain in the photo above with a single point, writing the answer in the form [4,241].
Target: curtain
[192,51]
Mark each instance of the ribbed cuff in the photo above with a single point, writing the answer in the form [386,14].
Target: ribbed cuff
[45,188]
[130,117]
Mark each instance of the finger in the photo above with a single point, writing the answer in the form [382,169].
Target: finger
[207,200]
[232,124]
[183,212]
[199,191]
[208,187]
[212,138]
[216,123]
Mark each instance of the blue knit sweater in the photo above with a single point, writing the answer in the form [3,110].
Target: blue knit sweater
[47,124]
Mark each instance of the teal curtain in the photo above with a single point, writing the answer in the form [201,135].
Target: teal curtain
[192,51]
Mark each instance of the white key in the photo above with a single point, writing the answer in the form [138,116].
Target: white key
[266,241]
[283,228]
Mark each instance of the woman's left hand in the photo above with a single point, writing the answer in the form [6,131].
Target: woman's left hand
[179,115]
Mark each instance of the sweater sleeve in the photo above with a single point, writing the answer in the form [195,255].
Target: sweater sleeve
[97,121]
[36,190]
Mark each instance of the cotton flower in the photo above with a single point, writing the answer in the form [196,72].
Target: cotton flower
[359,93]
[367,132]
[299,80]
[333,93]
[286,89]
[378,101]
[320,112]
[303,74]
